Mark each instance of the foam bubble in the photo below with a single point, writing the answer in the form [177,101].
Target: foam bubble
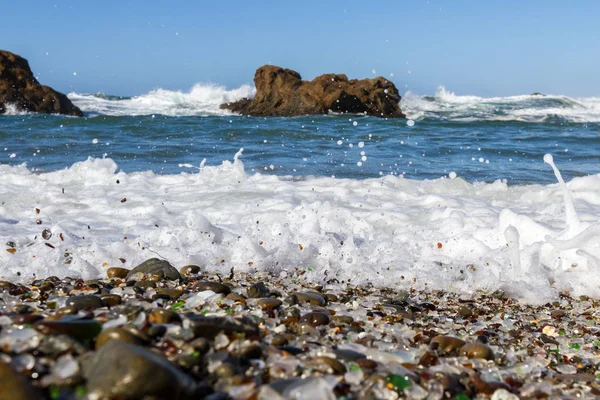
[495,236]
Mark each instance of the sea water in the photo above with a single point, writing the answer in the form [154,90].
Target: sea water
[467,194]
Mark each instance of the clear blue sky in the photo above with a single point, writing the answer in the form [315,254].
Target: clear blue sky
[482,47]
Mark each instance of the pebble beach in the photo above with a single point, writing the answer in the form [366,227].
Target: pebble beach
[158,332]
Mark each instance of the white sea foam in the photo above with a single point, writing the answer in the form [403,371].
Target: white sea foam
[527,108]
[202,99]
[12,109]
[443,233]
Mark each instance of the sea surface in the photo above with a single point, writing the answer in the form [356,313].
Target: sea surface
[462,195]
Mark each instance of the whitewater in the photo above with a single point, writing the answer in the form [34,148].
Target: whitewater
[463,196]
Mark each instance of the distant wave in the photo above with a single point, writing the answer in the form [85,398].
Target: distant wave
[205,99]
[446,105]
[202,99]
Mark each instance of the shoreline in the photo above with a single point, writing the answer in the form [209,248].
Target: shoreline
[154,333]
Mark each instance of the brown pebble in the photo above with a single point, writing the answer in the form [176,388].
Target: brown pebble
[312,298]
[279,340]
[163,316]
[365,363]
[315,318]
[111,300]
[337,367]
[446,344]
[117,272]
[269,304]
[189,270]
[214,286]
[477,350]
[236,297]
[120,334]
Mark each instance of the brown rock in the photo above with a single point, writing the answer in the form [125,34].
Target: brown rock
[19,88]
[14,385]
[282,92]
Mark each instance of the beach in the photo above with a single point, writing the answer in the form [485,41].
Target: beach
[267,336]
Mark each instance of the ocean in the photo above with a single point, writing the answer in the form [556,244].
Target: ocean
[464,195]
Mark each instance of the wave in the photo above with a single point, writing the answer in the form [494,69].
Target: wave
[200,100]
[446,105]
[531,241]
[205,99]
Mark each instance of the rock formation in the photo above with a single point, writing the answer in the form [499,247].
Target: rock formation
[20,89]
[282,92]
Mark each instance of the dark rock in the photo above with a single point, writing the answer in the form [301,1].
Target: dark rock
[19,88]
[118,334]
[282,92]
[156,266]
[269,304]
[85,302]
[189,270]
[126,371]
[80,329]
[214,286]
[315,318]
[257,291]
[209,327]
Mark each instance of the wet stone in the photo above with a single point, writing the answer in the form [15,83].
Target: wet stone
[348,355]
[236,297]
[189,270]
[66,311]
[117,272]
[477,350]
[257,291]
[464,311]
[312,298]
[155,266]
[145,284]
[214,286]
[446,344]
[111,300]
[80,329]
[315,318]
[163,316]
[85,302]
[209,326]
[279,340]
[172,293]
[337,367]
[269,304]
[14,385]
[126,371]
[119,334]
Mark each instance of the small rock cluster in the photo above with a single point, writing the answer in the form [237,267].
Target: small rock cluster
[156,332]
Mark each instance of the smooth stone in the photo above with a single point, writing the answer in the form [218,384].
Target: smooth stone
[189,270]
[117,272]
[306,328]
[80,329]
[145,284]
[315,318]
[173,293]
[251,352]
[291,300]
[15,386]
[111,300]
[558,313]
[446,344]
[279,340]
[163,316]
[477,350]
[65,311]
[30,319]
[236,297]
[348,355]
[85,302]
[209,326]
[365,363]
[155,266]
[464,311]
[331,298]
[122,335]
[269,304]
[201,344]
[126,371]
[214,286]
[337,367]
[257,291]
[225,370]
[312,298]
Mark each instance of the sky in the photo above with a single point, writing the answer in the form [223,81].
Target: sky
[478,47]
